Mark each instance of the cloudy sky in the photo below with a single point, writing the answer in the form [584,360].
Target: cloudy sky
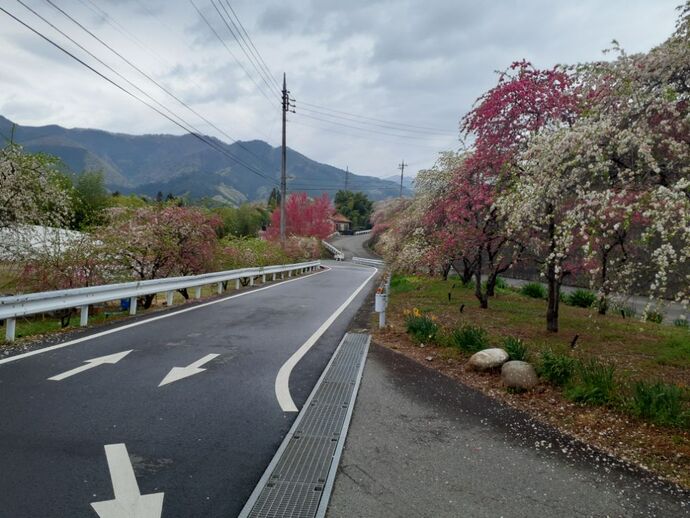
[412,67]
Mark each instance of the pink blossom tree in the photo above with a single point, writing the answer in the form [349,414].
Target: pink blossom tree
[304,217]
[160,241]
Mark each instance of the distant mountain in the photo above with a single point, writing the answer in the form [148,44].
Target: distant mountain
[408,181]
[183,165]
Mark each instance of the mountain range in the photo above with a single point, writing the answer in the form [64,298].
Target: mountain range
[185,166]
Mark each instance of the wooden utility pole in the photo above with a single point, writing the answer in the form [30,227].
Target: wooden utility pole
[283,163]
[402,171]
[347,173]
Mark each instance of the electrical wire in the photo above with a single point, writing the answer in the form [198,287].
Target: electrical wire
[135,67]
[134,96]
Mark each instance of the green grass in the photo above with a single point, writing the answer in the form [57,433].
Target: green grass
[469,339]
[594,383]
[659,402]
[534,290]
[421,327]
[401,284]
[516,348]
[675,350]
[581,298]
[557,369]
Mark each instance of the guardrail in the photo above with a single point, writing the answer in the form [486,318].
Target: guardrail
[337,254]
[369,262]
[46,301]
[360,232]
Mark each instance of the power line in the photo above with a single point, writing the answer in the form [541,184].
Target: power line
[247,50]
[360,136]
[388,126]
[335,123]
[372,118]
[257,53]
[198,136]
[135,67]
[232,54]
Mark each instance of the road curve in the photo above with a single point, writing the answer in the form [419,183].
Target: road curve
[202,438]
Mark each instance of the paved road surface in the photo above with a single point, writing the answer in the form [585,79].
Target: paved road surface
[423,445]
[203,440]
[353,246]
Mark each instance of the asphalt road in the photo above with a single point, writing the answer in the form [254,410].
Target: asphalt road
[425,446]
[203,440]
[353,246]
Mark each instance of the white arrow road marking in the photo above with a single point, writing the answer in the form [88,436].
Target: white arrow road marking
[90,364]
[128,501]
[178,373]
[282,386]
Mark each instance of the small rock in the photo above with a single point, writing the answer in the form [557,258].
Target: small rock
[519,375]
[429,358]
[488,359]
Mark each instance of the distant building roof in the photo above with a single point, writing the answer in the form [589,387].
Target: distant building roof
[339,218]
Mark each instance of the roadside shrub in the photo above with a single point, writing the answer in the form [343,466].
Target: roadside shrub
[681,322]
[594,383]
[556,368]
[654,316]
[469,338]
[661,403]
[421,327]
[581,299]
[516,348]
[534,290]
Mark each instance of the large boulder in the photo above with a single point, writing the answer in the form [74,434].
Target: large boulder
[519,375]
[488,359]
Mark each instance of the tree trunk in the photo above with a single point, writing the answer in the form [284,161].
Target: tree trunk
[554,299]
[445,271]
[184,293]
[146,301]
[481,296]
[491,284]
[603,300]
[552,278]
[466,272]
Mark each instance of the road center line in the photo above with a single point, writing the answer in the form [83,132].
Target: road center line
[152,319]
[282,385]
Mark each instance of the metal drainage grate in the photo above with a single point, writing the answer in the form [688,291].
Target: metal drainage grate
[299,479]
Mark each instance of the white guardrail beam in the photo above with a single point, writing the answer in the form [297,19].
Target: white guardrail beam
[47,301]
[337,254]
[369,262]
[360,232]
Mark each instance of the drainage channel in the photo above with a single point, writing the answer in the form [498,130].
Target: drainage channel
[299,479]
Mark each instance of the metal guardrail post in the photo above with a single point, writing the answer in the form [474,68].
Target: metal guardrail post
[84,316]
[219,288]
[237,284]
[132,305]
[10,328]
[169,297]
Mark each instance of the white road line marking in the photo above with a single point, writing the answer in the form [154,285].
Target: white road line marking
[282,385]
[128,501]
[178,373]
[90,364]
[152,319]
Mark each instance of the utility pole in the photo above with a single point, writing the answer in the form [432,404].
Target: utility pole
[401,166]
[347,173]
[283,163]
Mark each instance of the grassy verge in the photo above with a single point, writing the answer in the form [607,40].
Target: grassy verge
[623,386]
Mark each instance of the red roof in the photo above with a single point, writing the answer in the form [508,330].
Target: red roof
[339,218]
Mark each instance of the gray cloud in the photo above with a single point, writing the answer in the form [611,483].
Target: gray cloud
[415,62]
